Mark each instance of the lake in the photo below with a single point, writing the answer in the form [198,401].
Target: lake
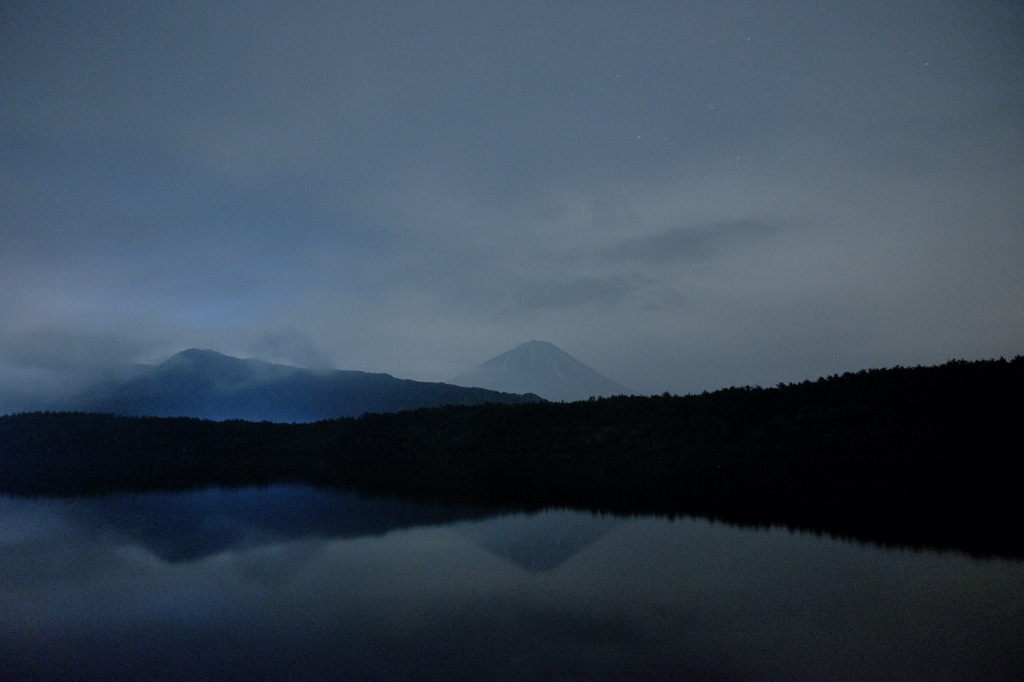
[289,582]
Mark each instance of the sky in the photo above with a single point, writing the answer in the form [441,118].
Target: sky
[683,195]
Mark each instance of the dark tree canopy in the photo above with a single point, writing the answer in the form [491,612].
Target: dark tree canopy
[925,455]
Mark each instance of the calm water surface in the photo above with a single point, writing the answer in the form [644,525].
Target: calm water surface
[294,583]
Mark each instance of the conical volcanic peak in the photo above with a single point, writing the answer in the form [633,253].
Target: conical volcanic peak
[544,369]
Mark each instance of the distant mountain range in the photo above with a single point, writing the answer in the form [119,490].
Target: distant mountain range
[544,369]
[210,385]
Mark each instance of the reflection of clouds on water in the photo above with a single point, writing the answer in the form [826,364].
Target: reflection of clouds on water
[80,596]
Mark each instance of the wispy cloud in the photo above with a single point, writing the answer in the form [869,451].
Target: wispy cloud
[713,239]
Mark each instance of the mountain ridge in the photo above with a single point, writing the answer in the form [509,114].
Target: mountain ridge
[210,385]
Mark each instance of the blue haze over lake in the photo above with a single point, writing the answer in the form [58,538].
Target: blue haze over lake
[290,582]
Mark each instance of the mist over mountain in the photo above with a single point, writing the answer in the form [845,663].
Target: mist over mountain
[210,385]
[544,369]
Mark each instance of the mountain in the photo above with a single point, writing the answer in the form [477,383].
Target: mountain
[210,385]
[542,368]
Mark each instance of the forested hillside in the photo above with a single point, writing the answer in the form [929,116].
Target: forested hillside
[924,455]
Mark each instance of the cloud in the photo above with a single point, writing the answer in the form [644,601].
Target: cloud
[291,347]
[42,366]
[688,243]
[572,293]
[68,349]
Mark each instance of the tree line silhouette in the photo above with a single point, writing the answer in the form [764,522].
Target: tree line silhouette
[923,456]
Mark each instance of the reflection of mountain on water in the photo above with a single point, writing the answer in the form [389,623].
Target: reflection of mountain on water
[191,525]
[541,541]
[188,526]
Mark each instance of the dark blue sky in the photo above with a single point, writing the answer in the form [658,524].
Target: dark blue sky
[684,195]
